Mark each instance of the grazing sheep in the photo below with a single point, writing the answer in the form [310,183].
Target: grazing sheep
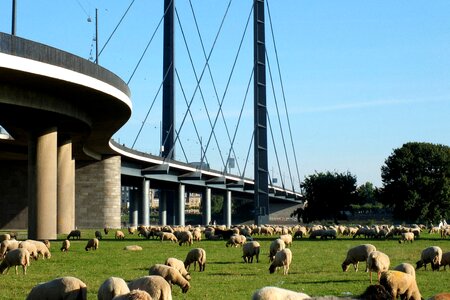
[65,245]
[400,284]
[98,235]
[168,236]
[91,244]
[172,275]
[16,257]
[185,237]
[111,287]
[432,255]
[47,244]
[377,262]
[196,255]
[406,237]
[133,248]
[5,237]
[197,234]
[119,235]
[236,240]
[106,230]
[31,249]
[357,254]
[283,258]
[69,288]
[445,261]
[275,246]
[132,229]
[8,245]
[155,285]
[440,296]
[134,295]
[74,234]
[287,239]
[375,292]
[249,250]
[276,293]
[41,248]
[406,268]
[323,234]
[179,265]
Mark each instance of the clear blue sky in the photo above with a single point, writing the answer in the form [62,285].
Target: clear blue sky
[360,78]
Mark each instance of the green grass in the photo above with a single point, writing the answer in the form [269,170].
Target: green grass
[315,270]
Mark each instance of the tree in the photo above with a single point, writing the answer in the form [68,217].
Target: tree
[328,195]
[416,182]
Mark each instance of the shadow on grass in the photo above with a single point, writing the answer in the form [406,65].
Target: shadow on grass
[328,281]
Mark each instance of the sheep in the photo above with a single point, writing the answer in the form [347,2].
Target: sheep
[275,246]
[133,248]
[134,295]
[249,250]
[31,249]
[282,258]
[377,262]
[323,234]
[106,230]
[74,234]
[406,237]
[168,236]
[70,288]
[41,248]
[47,244]
[179,265]
[440,296]
[406,268]
[155,285]
[400,283]
[8,245]
[5,237]
[276,293]
[196,255]
[98,235]
[91,244]
[111,287]
[375,292]
[65,245]
[287,239]
[172,275]
[185,237]
[445,261]
[432,255]
[16,257]
[119,235]
[236,240]
[357,254]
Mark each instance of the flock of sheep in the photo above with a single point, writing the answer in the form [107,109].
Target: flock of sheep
[400,281]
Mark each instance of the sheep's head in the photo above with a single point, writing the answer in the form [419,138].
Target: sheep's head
[185,287]
[272,269]
[419,264]
[345,267]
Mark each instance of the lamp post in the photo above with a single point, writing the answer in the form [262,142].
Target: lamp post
[96,34]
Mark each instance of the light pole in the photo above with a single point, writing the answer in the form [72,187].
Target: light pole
[96,34]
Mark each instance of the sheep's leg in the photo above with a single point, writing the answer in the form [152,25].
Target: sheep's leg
[356,266]
[370,275]
[16,269]
[379,276]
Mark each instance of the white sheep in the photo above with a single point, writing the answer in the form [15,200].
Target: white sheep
[185,237]
[133,248]
[275,246]
[287,239]
[179,265]
[5,237]
[251,249]
[400,284]
[445,260]
[172,275]
[197,234]
[406,268]
[377,262]
[31,249]
[357,254]
[283,258]
[65,245]
[276,293]
[8,245]
[42,248]
[111,287]
[91,244]
[134,295]
[406,237]
[236,240]
[168,236]
[432,255]
[196,255]
[14,258]
[119,235]
[155,285]
[69,288]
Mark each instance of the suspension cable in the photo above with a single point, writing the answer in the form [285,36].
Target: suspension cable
[282,90]
[182,148]
[248,153]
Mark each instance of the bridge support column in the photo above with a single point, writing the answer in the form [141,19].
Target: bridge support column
[206,199]
[133,193]
[227,209]
[181,204]
[42,181]
[162,207]
[145,202]
[66,188]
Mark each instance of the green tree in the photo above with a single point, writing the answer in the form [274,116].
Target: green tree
[416,182]
[328,195]
[366,194]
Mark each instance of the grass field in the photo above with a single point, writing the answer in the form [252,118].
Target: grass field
[315,269]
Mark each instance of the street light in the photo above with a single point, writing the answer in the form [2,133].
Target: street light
[96,34]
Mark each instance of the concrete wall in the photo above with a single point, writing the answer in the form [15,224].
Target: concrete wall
[97,193]
[13,194]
